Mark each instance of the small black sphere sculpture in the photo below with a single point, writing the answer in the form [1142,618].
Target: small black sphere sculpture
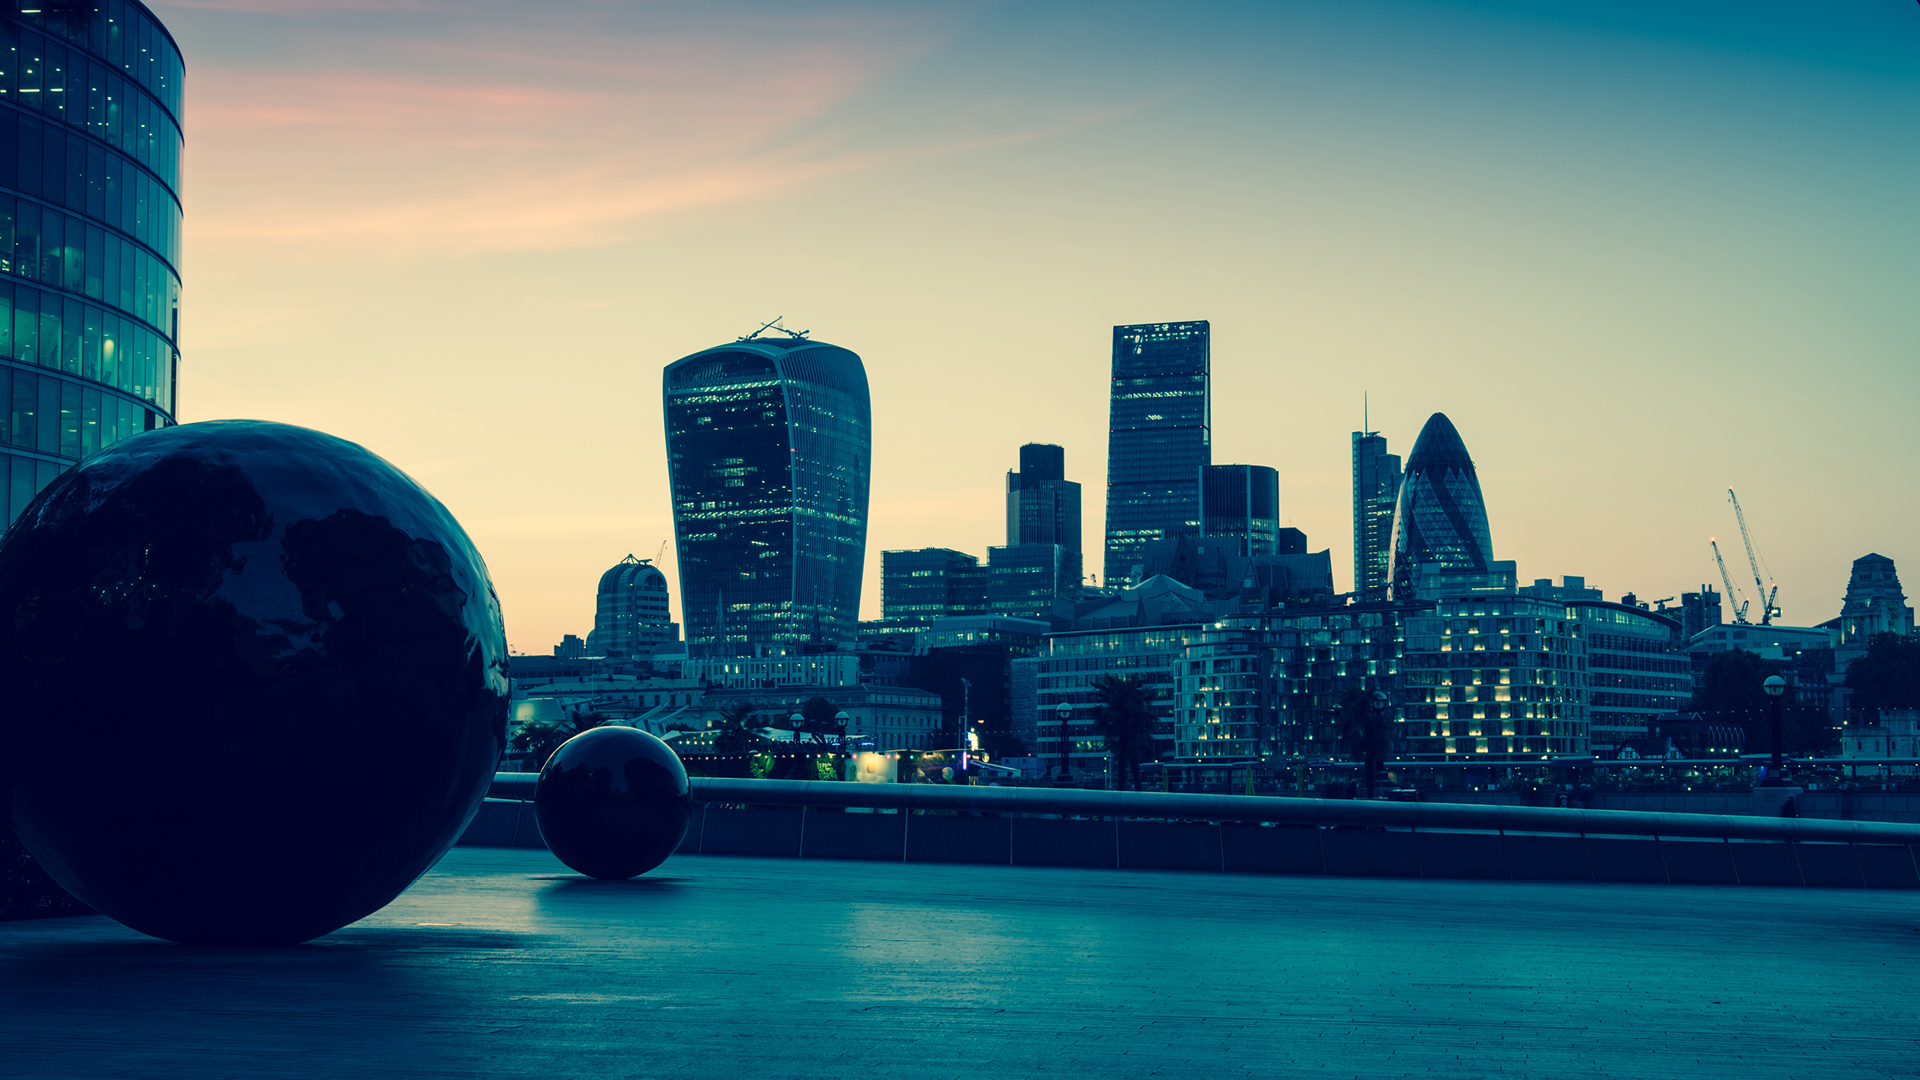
[613,802]
[255,681]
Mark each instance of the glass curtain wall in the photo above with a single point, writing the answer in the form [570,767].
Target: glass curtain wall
[1158,437]
[769,447]
[1441,519]
[90,151]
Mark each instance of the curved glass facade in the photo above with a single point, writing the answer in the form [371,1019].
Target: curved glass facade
[769,450]
[90,146]
[1441,518]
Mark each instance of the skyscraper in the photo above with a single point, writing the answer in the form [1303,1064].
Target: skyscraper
[1043,506]
[89,255]
[769,448]
[1241,502]
[1441,518]
[630,614]
[1158,437]
[1376,487]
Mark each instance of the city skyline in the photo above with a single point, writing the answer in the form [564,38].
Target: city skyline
[1638,255]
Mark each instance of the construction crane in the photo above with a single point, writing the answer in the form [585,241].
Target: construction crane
[1766,590]
[1739,613]
[661,554]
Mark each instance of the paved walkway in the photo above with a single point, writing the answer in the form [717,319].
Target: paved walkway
[499,963]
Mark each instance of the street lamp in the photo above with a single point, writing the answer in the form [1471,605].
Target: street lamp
[1065,712]
[1378,705]
[842,720]
[1775,686]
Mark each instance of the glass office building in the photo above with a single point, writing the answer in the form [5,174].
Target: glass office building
[90,149]
[1495,677]
[769,450]
[1242,502]
[1636,672]
[1158,437]
[1441,519]
[924,584]
[1376,488]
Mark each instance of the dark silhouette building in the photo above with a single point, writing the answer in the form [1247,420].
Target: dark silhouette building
[1043,506]
[1241,503]
[769,447]
[89,235]
[1440,521]
[1158,437]
[1376,488]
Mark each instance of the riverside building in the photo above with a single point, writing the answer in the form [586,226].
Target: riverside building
[1635,671]
[1495,677]
[90,148]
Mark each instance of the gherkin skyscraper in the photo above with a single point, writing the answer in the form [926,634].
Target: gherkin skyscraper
[1441,517]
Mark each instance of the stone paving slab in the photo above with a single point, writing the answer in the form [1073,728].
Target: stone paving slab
[502,964]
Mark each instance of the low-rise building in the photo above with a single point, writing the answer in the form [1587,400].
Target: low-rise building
[738,672]
[892,717]
[1895,733]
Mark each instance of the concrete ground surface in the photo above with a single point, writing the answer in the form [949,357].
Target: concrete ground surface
[502,963]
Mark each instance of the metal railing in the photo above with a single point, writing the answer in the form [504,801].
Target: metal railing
[1436,817]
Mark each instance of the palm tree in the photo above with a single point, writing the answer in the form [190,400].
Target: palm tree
[538,739]
[737,739]
[1124,718]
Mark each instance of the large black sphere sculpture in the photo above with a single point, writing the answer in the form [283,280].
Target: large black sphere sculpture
[255,682]
[613,802]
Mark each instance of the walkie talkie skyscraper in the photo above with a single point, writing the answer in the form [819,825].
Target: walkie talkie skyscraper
[769,451]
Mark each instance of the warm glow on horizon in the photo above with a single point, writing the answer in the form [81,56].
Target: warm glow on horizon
[1638,255]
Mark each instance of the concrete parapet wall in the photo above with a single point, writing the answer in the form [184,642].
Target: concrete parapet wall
[797,832]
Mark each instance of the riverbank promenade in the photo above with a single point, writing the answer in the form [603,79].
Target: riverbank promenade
[501,963]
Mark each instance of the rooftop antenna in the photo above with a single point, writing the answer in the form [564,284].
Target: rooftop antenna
[1365,418]
[775,325]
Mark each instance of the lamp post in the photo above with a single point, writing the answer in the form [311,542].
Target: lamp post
[966,722]
[1775,686]
[1377,704]
[1065,712]
[841,719]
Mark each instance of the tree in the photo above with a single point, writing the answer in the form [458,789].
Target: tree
[1124,718]
[1888,677]
[1354,707]
[737,740]
[1733,691]
[536,740]
[820,717]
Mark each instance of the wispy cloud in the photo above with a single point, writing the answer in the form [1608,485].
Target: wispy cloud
[528,137]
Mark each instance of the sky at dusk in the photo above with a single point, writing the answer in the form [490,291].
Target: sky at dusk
[1639,252]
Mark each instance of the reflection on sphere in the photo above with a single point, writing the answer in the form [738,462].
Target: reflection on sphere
[257,682]
[613,802]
